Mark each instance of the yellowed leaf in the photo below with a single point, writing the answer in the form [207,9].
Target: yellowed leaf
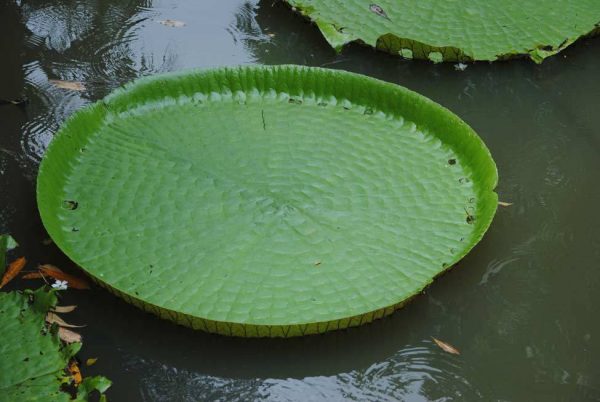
[52,318]
[446,347]
[91,361]
[68,336]
[75,372]
[70,85]
[64,309]
[13,270]
[505,204]
[172,23]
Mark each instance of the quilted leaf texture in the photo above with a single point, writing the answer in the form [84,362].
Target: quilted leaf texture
[455,30]
[266,201]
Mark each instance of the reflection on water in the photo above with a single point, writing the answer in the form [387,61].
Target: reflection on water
[521,307]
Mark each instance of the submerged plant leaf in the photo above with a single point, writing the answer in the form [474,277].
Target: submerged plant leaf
[91,361]
[70,85]
[457,30]
[446,347]
[56,273]
[288,201]
[13,270]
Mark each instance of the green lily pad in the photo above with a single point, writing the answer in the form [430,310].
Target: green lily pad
[455,30]
[33,358]
[266,201]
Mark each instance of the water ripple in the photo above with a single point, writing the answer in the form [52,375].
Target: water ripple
[57,25]
[416,373]
[49,107]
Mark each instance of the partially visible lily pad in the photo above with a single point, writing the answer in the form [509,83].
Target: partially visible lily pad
[455,30]
[33,360]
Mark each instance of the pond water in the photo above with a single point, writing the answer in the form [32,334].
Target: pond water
[522,307]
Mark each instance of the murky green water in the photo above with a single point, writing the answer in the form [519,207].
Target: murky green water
[522,307]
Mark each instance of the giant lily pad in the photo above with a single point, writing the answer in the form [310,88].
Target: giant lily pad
[455,30]
[266,201]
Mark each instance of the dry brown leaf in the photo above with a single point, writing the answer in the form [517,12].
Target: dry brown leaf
[91,361]
[52,318]
[172,23]
[446,347]
[33,275]
[71,85]
[68,336]
[504,204]
[72,281]
[13,270]
[75,372]
[64,309]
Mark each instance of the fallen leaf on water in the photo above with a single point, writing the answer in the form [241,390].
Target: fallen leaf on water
[172,23]
[377,9]
[91,361]
[75,372]
[504,204]
[71,85]
[32,275]
[446,347]
[13,270]
[64,309]
[68,336]
[56,273]
[52,318]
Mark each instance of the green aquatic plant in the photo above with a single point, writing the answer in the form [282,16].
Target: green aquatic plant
[455,30]
[266,201]
[33,357]
[7,243]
